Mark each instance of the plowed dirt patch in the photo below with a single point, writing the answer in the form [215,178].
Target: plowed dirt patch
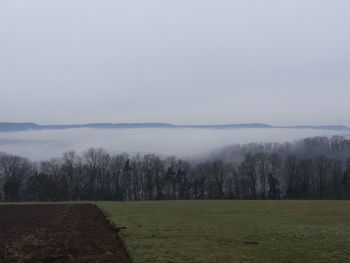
[57,233]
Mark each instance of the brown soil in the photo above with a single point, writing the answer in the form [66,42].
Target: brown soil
[57,233]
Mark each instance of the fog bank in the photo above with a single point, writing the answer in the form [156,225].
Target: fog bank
[184,143]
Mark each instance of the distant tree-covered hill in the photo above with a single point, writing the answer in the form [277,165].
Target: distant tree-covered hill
[26,126]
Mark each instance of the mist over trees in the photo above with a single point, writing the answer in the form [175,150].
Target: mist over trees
[314,168]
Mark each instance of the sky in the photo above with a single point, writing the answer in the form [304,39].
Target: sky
[178,61]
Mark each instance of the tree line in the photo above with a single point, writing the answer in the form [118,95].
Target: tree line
[313,168]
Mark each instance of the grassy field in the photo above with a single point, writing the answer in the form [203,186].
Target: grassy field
[234,231]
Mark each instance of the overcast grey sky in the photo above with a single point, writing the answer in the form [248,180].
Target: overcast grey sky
[179,61]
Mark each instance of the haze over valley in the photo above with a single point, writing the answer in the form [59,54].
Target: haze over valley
[189,143]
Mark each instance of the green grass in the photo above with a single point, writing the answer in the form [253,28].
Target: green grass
[216,231]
